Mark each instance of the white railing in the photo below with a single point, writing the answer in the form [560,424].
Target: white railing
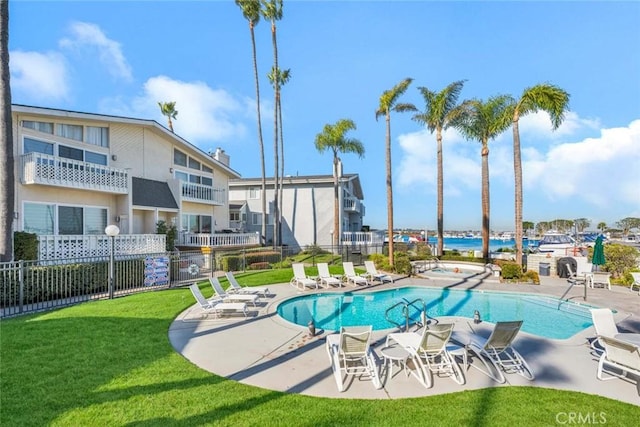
[39,168]
[203,194]
[363,238]
[351,205]
[219,239]
[53,247]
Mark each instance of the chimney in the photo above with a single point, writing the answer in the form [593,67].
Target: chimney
[220,156]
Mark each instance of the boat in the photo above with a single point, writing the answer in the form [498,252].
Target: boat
[558,244]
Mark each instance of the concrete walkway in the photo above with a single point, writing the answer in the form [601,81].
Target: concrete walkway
[269,352]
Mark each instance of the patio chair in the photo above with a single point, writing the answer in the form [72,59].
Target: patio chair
[350,275]
[350,354]
[620,355]
[227,297]
[235,287]
[216,305]
[300,279]
[605,326]
[499,351]
[429,353]
[372,274]
[575,278]
[636,282]
[325,278]
[601,278]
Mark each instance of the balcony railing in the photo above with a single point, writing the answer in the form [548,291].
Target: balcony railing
[52,247]
[39,168]
[362,238]
[203,194]
[351,204]
[219,239]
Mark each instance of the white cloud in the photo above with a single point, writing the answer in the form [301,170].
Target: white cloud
[86,35]
[539,124]
[39,75]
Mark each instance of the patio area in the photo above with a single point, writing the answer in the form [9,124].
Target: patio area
[269,352]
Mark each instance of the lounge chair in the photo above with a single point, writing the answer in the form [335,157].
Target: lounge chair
[601,278]
[636,282]
[300,279]
[216,305]
[325,278]
[235,287]
[499,350]
[351,355]
[621,355]
[429,353]
[373,275]
[350,275]
[227,297]
[575,278]
[605,325]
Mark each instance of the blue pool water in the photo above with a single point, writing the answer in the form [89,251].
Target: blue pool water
[544,316]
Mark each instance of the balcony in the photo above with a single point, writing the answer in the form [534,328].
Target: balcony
[53,247]
[355,238]
[39,168]
[351,204]
[219,239]
[199,193]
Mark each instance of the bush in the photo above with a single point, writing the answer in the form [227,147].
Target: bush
[511,270]
[620,258]
[531,276]
[402,263]
[237,261]
[259,266]
[25,246]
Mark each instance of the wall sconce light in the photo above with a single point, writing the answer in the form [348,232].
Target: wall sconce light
[114,157]
[118,218]
[170,170]
[16,215]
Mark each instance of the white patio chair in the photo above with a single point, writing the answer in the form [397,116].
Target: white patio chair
[601,278]
[350,275]
[636,282]
[373,275]
[325,278]
[227,297]
[575,278]
[235,287]
[605,325]
[622,356]
[351,355]
[300,279]
[216,305]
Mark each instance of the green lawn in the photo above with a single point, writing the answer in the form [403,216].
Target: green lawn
[110,363]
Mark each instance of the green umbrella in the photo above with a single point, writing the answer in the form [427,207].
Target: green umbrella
[598,253]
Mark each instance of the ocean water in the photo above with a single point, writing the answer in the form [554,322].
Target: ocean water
[475,244]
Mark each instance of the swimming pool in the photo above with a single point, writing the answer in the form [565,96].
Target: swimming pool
[544,316]
[457,270]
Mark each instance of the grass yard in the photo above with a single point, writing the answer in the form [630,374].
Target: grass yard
[109,363]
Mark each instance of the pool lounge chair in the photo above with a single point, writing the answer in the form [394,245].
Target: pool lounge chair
[235,287]
[216,305]
[576,278]
[350,275]
[350,354]
[325,278]
[499,351]
[636,282]
[429,353]
[622,356]
[601,278]
[227,297]
[605,325]
[300,279]
[373,275]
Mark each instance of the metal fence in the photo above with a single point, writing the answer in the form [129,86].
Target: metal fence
[29,286]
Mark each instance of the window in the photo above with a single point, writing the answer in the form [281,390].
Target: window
[207,169]
[69,131]
[234,216]
[70,220]
[40,218]
[179,158]
[90,157]
[95,220]
[197,223]
[256,218]
[97,136]
[44,127]
[254,193]
[70,153]
[35,146]
[194,164]
[207,181]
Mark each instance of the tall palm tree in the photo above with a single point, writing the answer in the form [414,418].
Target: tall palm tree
[389,103]
[333,137]
[441,111]
[251,10]
[555,102]
[283,77]
[7,189]
[272,10]
[168,109]
[485,121]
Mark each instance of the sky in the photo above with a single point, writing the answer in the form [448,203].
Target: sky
[123,57]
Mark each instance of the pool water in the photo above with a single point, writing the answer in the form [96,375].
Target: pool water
[544,316]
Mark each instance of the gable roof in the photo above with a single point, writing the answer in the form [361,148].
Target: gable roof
[146,192]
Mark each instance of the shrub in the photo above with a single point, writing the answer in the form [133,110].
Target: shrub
[237,261]
[25,246]
[531,276]
[259,266]
[314,250]
[402,263]
[620,258]
[511,270]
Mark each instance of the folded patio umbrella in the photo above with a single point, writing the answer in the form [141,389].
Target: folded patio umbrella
[598,253]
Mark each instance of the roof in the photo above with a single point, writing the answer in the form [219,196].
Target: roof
[146,192]
[68,114]
[303,179]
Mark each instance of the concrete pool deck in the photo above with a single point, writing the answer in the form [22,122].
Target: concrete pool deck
[268,352]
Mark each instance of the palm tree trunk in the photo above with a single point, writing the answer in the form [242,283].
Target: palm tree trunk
[517,172]
[485,202]
[389,190]
[281,169]
[336,203]
[275,135]
[7,187]
[440,193]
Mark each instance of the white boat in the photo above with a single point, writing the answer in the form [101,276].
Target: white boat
[558,244]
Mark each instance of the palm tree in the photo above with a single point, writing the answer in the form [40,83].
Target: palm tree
[7,189]
[168,109]
[272,10]
[485,121]
[333,138]
[602,226]
[251,10]
[283,78]
[545,97]
[441,111]
[389,103]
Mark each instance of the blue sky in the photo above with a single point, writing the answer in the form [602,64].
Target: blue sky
[121,58]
